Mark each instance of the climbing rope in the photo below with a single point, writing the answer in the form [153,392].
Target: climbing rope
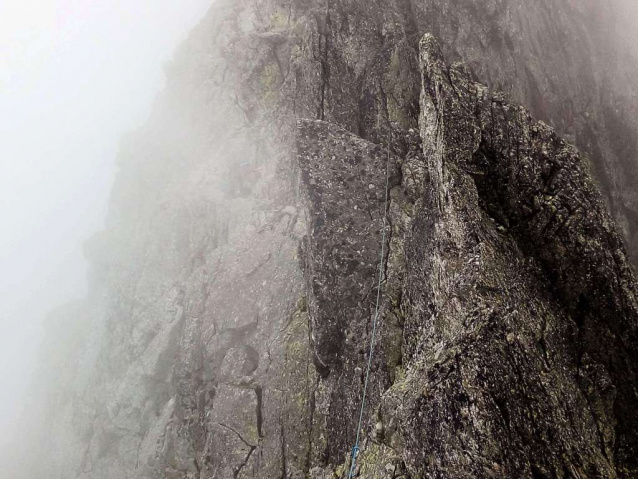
[355,449]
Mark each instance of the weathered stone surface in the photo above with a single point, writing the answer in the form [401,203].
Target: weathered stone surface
[344,178]
[200,365]
[213,345]
[516,297]
[344,182]
[358,63]
[521,311]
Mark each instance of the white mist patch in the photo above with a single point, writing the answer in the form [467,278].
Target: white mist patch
[74,76]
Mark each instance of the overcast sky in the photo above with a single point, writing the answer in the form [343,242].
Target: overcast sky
[74,75]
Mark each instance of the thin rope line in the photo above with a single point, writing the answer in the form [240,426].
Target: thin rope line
[355,449]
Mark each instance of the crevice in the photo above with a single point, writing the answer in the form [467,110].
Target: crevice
[312,406]
[237,434]
[258,410]
[502,408]
[284,464]
[260,265]
[242,465]
[324,34]
[384,104]
[410,26]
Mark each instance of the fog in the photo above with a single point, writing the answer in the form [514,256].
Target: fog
[628,25]
[74,75]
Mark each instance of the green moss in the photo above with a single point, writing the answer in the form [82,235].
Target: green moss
[268,84]
[294,349]
[302,304]
[399,374]
[278,20]
[393,341]
[341,471]
[373,460]
[295,51]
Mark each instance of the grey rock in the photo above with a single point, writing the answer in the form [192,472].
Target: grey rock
[232,292]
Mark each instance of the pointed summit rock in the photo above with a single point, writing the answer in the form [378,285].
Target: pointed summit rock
[521,351]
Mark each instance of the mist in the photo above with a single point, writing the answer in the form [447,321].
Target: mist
[74,76]
[628,25]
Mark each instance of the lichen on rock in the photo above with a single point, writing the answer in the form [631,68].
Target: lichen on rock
[232,292]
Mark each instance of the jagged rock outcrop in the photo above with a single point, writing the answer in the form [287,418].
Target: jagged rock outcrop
[226,330]
[521,313]
[508,278]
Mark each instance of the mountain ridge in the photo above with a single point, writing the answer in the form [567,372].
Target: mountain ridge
[227,322]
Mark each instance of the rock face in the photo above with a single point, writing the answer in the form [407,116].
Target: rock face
[520,304]
[233,290]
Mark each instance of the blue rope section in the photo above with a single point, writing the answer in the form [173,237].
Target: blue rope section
[355,449]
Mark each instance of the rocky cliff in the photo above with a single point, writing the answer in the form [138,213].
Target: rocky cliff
[232,291]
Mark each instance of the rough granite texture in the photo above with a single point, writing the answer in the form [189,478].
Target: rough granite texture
[232,291]
[520,305]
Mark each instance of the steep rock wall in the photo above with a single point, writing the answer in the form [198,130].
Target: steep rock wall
[509,282]
[220,347]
